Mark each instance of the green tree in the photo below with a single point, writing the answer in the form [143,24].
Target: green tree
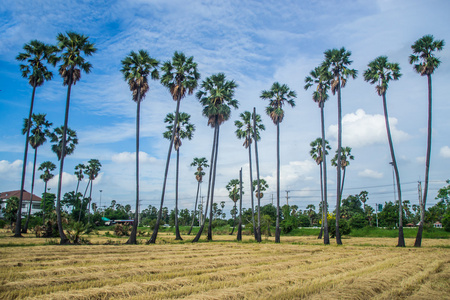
[183,130]
[136,68]
[92,170]
[47,167]
[245,131]
[278,96]
[425,62]
[233,194]
[181,78]
[200,163]
[216,96]
[318,155]
[79,169]
[11,209]
[381,72]
[321,77]
[39,132]
[346,157]
[35,55]
[71,46]
[337,62]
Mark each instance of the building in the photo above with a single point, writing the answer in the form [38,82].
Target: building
[36,203]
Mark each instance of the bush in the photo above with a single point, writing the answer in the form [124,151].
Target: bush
[120,230]
[220,223]
[446,222]
[2,223]
[344,227]
[358,221]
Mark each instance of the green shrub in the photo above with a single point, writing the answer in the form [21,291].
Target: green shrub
[358,221]
[344,227]
[446,222]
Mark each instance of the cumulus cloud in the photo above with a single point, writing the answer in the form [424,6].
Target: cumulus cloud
[67,180]
[128,157]
[360,129]
[7,167]
[291,174]
[445,152]
[370,174]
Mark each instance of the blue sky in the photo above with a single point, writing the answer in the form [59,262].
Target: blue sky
[254,43]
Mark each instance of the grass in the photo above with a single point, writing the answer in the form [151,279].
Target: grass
[299,267]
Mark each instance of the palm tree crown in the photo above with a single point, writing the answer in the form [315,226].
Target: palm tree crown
[136,68]
[47,166]
[200,163]
[245,128]
[346,156]
[337,62]
[317,151]
[233,189]
[263,185]
[180,75]
[92,169]
[72,45]
[423,57]
[321,77]
[184,129]
[380,72]
[216,96]
[57,139]
[35,54]
[278,96]
[39,130]
[79,171]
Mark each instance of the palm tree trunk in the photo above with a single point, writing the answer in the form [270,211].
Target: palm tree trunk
[213,183]
[132,239]
[62,235]
[401,239]
[177,228]
[239,234]
[234,219]
[321,194]
[82,200]
[277,230]
[89,203]
[195,209]
[213,153]
[169,152]
[343,180]
[25,229]
[326,235]
[18,228]
[338,179]
[258,229]
[418,242]
[43,206]
[251,189]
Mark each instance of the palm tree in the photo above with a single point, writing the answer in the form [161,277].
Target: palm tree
[337,62]
[92,170]
[239,234]
[278,96]
[425,62]
[346,156]
[57,136]
[39,132]
[183,130]
[263,186]
[258,181]
[245,131]
[71,45]
[181,78]
[216,96]
[319,157]
[79,169]
[36,53]
[311,210]
[200,163]
[46,166]
[136,68]
[364,196]
[380,72]
[233,194]
[321,77]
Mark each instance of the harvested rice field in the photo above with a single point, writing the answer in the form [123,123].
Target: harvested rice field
[299,267]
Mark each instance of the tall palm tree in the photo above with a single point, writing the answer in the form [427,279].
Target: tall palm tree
[263,186]
[56,137]
[181,78]
[381,72]
[35,55]
[216,96]
[233,194]
[136,68]
[79,169]
[200,163]
[321,77]
[71,45]
[278,96]
[241,192]
[319,155]
[425,62]
[258,181]
[346,156]
[47,167]
[245,131]
[39,132]
[183,130]
[337,62]
[92,170]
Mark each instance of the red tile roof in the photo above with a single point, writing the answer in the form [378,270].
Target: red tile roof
[26,195]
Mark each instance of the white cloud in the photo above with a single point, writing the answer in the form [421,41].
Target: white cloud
[421,159]
[291,174]
[445,152]
[360,129]
[370,174]
[128,157]
[67,180]
[7,168]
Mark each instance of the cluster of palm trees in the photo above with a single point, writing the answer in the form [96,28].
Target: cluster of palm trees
[216,94]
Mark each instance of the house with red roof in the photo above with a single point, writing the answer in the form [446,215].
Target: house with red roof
[35,201]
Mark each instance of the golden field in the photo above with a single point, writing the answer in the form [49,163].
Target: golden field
[299,267]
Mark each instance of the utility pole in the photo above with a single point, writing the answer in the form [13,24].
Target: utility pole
[101,198]
[287,198]
[421,206]
[272,198]
[201,211]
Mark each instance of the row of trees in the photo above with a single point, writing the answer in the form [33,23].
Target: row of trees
[216,94]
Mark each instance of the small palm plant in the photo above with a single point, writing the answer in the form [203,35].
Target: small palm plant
[183,130]
[47,167]
[345,157]
[233,193]
[92,170]
[200,163]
